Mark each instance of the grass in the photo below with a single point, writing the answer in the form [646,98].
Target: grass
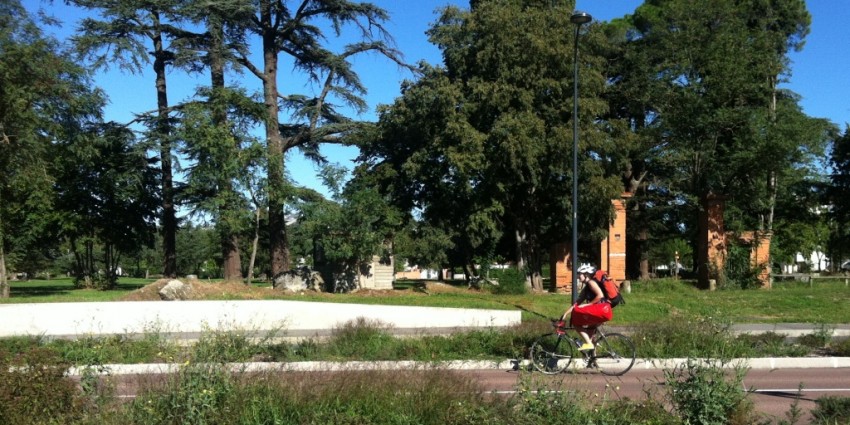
[823,301]
[63,290]
[36,392]
[34,388]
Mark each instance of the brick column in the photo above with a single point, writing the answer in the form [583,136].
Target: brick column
[760,257]
[712,240]
[560,268]
[613,247]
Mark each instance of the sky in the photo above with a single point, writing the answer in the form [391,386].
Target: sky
[819,73]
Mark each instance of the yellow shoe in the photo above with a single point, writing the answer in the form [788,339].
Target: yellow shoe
[585,347]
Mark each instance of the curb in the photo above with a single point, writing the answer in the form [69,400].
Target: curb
[509,364]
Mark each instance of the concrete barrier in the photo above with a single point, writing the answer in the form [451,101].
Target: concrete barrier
[187,319]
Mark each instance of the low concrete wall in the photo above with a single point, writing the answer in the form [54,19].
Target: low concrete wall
[188,318]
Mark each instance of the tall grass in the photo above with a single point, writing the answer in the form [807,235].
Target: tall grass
[35,389]
[675,337]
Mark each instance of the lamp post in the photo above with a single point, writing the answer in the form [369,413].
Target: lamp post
[579,19]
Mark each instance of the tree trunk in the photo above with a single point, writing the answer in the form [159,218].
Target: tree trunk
[232,263]
[169,215]
[642,252]
[519,240]
[277,185]
[5,290]
[255,244]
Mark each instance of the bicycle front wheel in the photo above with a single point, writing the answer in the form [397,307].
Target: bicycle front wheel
[551,354]
[615,354]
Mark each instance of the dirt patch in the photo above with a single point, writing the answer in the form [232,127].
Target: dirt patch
[202,290]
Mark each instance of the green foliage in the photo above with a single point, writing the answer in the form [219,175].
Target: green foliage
[511,281]
[45,97]
[361,338]
[96,351]
[198,251]
[839,195]
[831,411]
[738,270]
[818,339]
[197,394]
[702,393]
[841,347]
[689,336]
[35,390]
[477,148]
[106,205]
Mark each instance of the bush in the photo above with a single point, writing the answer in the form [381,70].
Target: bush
[702,393]
[831,410]
[677,336]
[35,390]
[841,348]
[511,282]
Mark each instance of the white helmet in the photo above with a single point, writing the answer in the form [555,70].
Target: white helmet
[586,268]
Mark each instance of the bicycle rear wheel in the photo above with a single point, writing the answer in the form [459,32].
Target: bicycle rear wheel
[615,354]
[551,354]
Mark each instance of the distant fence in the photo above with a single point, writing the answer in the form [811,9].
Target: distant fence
[809,278]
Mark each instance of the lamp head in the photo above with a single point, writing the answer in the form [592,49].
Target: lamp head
[580,18]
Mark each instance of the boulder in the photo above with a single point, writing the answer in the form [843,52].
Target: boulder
[298,280]
[175,290]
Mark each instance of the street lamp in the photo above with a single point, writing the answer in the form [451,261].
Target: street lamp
[579,19]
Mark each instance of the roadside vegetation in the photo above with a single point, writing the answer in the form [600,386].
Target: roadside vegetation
[666,318]
[35,389]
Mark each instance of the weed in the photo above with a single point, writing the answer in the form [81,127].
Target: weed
[363,339]
[841,347]
[770,344]
[819,339]
[197,394]
[35,390]
[831,411]
[702,392]
[698,336]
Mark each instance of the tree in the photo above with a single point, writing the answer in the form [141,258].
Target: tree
[215,131]
[839,196]
[222,153]
[40,88]
[105,200]
[479,148]
[131,35]
[294,28]
[720,109]
[343,235]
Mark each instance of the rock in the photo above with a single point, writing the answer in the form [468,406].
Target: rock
[300,279]
[175,290]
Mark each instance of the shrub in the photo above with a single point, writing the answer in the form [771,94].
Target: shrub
[197,394]
[703,393]
[511,282]
[35,390]
[831,410]
[362,339]
[841,347]
[698,336]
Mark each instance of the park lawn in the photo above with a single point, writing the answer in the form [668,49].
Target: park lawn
[823,301]
[62,290]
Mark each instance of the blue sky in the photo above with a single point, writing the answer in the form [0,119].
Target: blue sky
[819,71]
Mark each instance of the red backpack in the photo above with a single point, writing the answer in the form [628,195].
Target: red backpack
[610,288]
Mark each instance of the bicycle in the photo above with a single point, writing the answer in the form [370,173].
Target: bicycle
[552,353]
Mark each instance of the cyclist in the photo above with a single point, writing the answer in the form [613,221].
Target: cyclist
[591,308]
